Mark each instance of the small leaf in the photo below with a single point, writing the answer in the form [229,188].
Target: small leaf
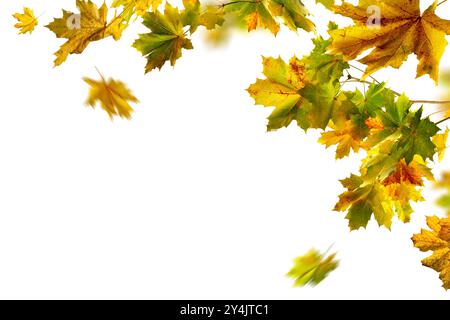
[26,21]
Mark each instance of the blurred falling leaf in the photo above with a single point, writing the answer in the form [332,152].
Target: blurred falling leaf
[444,184]
[312,268]
[112,95]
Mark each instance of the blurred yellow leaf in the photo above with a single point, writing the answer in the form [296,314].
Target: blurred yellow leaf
[112,95]
[312,268]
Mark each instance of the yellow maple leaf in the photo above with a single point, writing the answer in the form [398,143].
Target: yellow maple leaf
[280,89]
[112,95]
[138,6]
[346,136]
[26,21]
[440,141]
[437,240]
[400,31]
[81,29]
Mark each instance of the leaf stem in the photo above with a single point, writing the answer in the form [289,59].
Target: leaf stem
[431,101]
[238,1]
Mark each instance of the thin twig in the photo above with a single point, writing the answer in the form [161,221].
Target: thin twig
[431,101]
[443,120]
[238,1]
[359,69]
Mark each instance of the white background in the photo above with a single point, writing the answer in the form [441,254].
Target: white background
[190,199]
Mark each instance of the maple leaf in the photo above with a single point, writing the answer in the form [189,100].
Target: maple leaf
[322,66]
[255,14]
[437,240]
[440,141]
[293,13]
[166,40]
[280,89]
[312,268]
[385,188]
[139,7]
[112,95]
[364,199]
[80,30]
[26,21]
[194,15]
[406,131]
[304,89]
[262,13]
[402,30]
[346,136]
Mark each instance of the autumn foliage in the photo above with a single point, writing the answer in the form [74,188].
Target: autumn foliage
[316,91]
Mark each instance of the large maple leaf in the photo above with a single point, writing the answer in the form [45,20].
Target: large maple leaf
[438,241]
[80,30]
[402,30]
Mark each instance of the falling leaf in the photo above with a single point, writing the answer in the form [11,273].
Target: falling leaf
[401,31]
[112,95]
[312,268]
[444,184]
[80,30]
[26,21]
[437,240]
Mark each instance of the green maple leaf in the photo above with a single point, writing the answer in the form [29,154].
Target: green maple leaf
[418,137]
[304,90]
[293,13]
[280,89]
[312,268]
[166,40]
[195,15]
[263,14]
[324,67]
[316,109]
[362,200]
